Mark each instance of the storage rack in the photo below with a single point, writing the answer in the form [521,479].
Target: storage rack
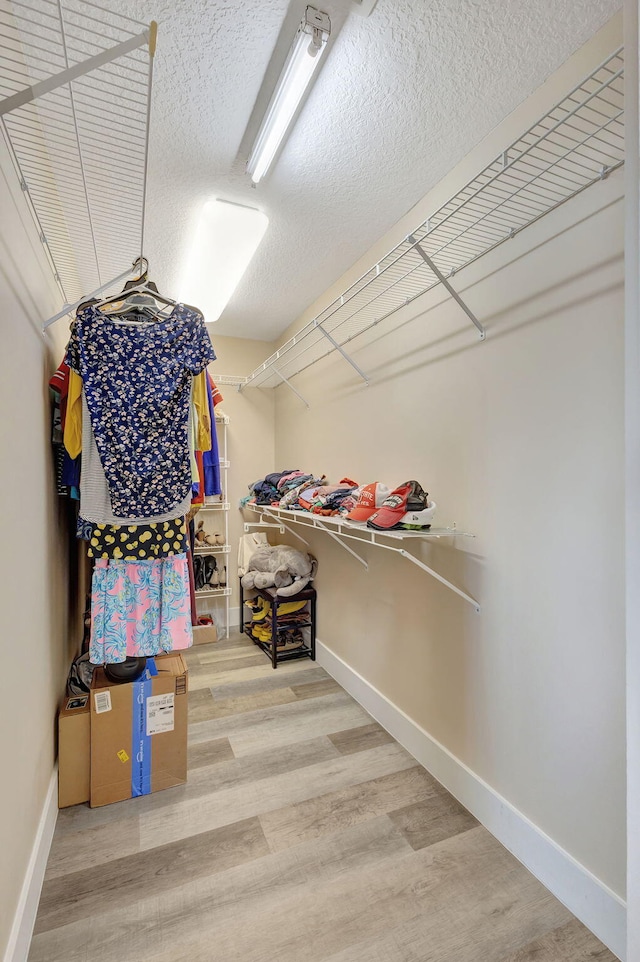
[208,597]
[307,649]
[579,142]
[340,528]
[75,88]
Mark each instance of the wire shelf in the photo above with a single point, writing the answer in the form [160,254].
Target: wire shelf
[79,149]
[577,143]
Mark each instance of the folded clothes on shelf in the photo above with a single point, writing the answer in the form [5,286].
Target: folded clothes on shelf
[405,507]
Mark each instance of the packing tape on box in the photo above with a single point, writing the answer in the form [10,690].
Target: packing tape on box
[140,740]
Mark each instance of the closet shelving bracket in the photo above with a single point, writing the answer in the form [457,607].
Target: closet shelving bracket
[332,534]
[285,380]
[269,524]
[250,525]
[341,350]
[340,529]
[445,283]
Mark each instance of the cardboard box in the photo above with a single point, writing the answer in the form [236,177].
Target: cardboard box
[204,634]
[139,732]
[74,735]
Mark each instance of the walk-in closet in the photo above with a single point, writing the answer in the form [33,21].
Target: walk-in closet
[319,596]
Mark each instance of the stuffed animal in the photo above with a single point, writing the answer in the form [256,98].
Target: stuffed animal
[282,567]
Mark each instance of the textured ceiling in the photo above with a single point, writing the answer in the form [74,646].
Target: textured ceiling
[402,96]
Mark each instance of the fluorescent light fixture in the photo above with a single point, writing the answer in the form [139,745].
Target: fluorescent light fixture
[301,64]
[226,238]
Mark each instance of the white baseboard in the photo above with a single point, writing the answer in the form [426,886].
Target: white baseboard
[22,929]
[596,905]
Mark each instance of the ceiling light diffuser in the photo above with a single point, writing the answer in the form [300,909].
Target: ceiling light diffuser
[226,238]
[302,62]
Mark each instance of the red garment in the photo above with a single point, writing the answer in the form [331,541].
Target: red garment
[192,588]
[216,394]
[199,497]
[59,382]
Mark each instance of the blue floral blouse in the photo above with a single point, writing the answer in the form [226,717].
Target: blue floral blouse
[137,380]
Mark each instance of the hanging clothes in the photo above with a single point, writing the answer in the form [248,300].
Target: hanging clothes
[137,380]
[211,457]
[136,542]
[95,500]
[128,412]
[139,608]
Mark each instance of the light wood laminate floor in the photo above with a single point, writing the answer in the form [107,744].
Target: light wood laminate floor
[305,833]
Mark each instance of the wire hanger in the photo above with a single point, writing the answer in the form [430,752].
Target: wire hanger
[139,296]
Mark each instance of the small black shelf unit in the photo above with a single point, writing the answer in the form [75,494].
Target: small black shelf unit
[271,649]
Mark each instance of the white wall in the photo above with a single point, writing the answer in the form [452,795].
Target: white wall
[632,381]
[520,441]
[250,438]
[34,598]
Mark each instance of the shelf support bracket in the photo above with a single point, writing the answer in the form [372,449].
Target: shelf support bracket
[43,87]
[248,525]
[290,386]
[336,537]
[434,574]
[347,358]
[443,280]
[286,527]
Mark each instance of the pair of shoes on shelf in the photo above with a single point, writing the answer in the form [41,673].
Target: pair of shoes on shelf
[205,572]
[218,578]
[290,640]
[205,540]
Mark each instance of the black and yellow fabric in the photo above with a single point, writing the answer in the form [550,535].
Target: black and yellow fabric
[135,542]
[261,608]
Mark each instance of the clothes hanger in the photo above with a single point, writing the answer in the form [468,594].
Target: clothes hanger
[139,298]
[138,295]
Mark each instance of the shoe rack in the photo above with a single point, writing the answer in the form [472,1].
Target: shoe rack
[214,597]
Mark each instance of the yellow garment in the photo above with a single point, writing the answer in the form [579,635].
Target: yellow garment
[201,404]
[193,421]
[73,422]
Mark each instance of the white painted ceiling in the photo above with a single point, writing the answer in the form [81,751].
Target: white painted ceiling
[402,96]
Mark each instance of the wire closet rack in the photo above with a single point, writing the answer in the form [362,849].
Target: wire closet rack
[577,143]
[75,98]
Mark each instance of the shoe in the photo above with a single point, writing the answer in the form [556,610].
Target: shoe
[209,565]
[223,576]
[198,572]
[214,580]
[202,538]
[290,640]
[218,539]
